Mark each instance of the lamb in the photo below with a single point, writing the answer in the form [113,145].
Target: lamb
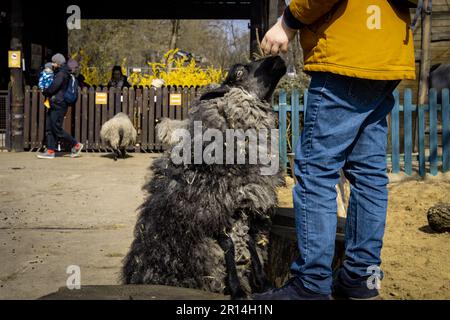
[206,226]
[118,133]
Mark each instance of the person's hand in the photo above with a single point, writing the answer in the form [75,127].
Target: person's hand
[277,38]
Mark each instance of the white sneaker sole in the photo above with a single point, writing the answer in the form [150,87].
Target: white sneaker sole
[78,154]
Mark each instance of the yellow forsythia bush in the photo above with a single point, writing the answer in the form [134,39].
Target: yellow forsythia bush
[176,72]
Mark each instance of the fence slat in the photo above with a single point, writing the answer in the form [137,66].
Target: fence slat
[118,101]
[41,126]
[305,103]
[151,119]
[111,105]
[179,109]
[131,103]
[91,116]
[26,119]
[407,116]
[144,135]
[165,102]
[395,135]
[158,115]
[185,100]
[98,118]
[138,111]
[78,117]
[104,116]
[433,131]
[125,100]
[282,128]
[445,131]
[171,107]
[421,119]
[84,116]
[295,118]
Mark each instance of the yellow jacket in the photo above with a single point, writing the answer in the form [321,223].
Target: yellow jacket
[368,39]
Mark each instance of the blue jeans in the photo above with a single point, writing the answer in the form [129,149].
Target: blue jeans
[54,126]
[345,128]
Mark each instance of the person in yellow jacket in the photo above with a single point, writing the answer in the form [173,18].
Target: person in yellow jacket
[356,52]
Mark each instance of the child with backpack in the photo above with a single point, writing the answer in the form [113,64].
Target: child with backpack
[45,80]
[62,92]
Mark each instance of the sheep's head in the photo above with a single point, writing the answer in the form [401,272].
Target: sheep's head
[259,78]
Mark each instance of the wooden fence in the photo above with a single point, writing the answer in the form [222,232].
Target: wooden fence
[433,143]
[144,106]
[4,119]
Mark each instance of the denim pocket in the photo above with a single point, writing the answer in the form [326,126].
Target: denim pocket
[366,92]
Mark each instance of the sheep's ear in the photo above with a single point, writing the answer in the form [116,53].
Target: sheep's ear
[215,93]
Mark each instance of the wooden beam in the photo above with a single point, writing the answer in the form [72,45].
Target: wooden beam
[425,57]
[17,89]
[177,9]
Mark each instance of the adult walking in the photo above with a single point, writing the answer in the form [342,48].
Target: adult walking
[58,109]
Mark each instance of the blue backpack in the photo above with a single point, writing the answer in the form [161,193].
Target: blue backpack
[71,94]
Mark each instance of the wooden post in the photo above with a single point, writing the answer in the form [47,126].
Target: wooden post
[17,88]
[259,21]
[273,12]
[425,55]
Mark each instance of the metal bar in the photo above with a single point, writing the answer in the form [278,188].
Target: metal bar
[407,117]
[295,118]
[433,132]
[421,141]
[445,131]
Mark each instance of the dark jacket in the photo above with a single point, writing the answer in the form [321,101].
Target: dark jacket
[59,86]
[122,83]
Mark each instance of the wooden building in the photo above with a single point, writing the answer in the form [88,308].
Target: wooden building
[440,40]
[38,29]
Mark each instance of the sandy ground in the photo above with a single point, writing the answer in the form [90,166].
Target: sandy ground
[62,212]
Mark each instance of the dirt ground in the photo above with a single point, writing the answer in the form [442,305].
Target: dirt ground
[62,212]
[415,260]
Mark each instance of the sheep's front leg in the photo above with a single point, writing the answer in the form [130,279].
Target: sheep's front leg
[123,153]
[227,245]
[261,283]
[115,154]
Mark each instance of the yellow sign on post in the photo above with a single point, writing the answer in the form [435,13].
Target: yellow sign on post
[14,59]
[101,98]
[175,99]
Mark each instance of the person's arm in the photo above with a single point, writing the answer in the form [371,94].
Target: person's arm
[297,14]
[55,86]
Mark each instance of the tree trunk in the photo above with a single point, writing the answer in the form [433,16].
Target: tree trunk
[173,39]
[174,36]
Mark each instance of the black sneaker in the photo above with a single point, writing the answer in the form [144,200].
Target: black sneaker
[292,290]
[345,287]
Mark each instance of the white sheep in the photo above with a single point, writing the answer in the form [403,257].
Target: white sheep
[118,133]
